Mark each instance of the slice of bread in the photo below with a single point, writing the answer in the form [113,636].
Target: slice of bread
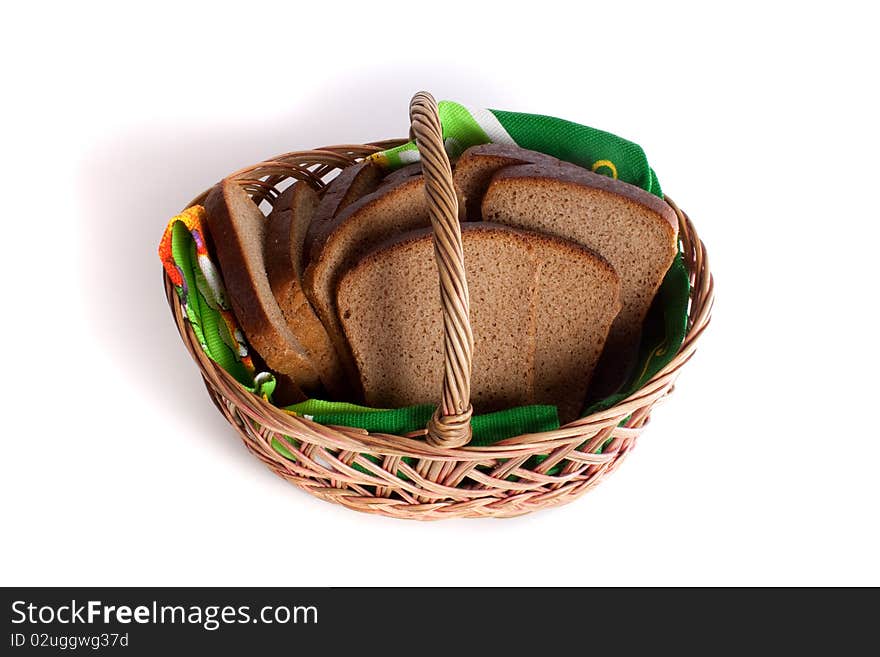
[285,235]
[401,174]
[634,230]
[473,170]
[577,300]
[476,166]
[352,183]
[238,230]
[541,308]
[359,228]
[390,309]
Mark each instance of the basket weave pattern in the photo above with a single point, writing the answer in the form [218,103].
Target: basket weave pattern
[448,478]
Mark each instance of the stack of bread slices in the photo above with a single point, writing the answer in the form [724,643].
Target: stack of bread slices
[338,292]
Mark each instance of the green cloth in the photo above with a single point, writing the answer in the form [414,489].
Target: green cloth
[487,428]
[590,148]
[190,268]
[202,304]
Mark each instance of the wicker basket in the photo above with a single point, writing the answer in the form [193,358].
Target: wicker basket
[448,478]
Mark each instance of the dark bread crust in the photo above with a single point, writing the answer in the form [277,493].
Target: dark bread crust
[508,152]
[287,225]
[237,230]
[352,183]
[401,174]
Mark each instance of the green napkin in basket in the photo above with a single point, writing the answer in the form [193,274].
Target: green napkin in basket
[200,289]
[487,428]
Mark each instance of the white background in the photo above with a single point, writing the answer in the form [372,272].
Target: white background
[760,121]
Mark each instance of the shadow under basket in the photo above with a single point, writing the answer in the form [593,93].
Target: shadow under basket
[435,474]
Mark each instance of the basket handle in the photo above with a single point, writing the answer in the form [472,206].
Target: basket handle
[450,425]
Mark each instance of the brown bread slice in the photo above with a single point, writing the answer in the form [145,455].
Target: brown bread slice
[473,171]
[390,310]
[541,308]
[634,230]
[576,303]
[285,236]
[476,166]
[352,183]
[401,174]
[360,227]
[238,229]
